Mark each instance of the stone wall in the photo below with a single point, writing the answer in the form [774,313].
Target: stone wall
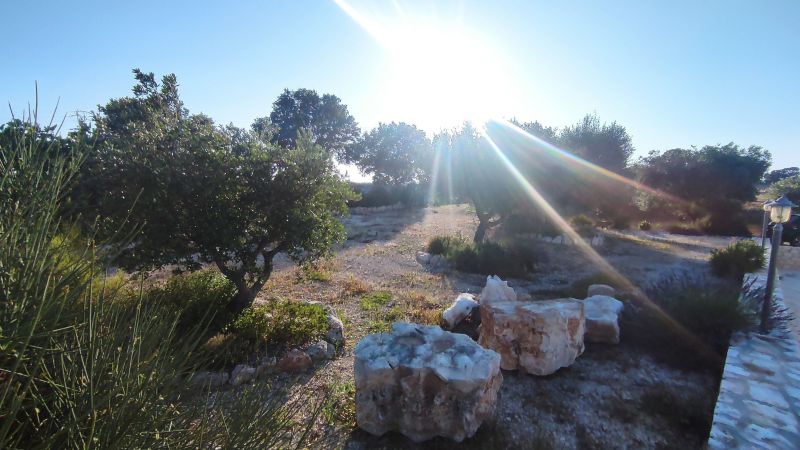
[759,396]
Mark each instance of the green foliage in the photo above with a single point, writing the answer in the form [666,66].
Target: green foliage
[713,182]
[210,195]
[507,259]
[780,174]
[645,225]
[737,259]
[82,369]
[789,186]
[280,324]
[201,297]
[328,120]
[394,154]
[339,408]
[606,144]
[583,225]
[690,319]
[374,300]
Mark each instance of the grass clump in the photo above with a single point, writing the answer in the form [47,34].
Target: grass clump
[645,225]
[374,300]
[583,225]
[353,286]
[339,408]
[737,259]
[515,259]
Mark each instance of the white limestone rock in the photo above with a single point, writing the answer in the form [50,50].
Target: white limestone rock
[423,258]
[601,289]
[537,337]
[424,382]
[497,290]
[460,309]
[602,319]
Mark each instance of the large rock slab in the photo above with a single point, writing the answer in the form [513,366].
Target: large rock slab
[424,382]
[497,290]
[602,319]
[537,337]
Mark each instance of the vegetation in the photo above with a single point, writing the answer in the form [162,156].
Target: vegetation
[234,199]
[83,368]
[687,319]
[789,186]
[645,225]
[395,154]
[517,259]
[374,300]
[737,259]
[279,324]
[583,225]
[777,175]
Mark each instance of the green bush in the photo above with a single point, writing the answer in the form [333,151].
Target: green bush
[645,225]
[690,319]
[583,225]
[737,259]
[200,297]
[374,300]
[280,324]
[506,259]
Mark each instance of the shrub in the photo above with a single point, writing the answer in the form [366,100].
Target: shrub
[201,297]
[280,324]
[687,229]
[583,225]
[645,225]
[507,259]
[690,319]
[737,259]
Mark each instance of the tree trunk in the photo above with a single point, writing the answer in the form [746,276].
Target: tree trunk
[244,298]
[480,233]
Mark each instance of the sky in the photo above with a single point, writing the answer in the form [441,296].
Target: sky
[675,74]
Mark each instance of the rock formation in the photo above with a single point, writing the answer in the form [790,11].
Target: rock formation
[602,319]
[497,290]
[459,310]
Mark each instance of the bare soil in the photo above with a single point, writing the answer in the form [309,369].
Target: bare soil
[612,397]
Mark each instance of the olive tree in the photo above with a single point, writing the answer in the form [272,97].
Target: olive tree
[204,194]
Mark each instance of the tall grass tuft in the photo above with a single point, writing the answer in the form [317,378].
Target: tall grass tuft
[78,367]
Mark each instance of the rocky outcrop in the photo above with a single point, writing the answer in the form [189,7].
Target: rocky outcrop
[600,289]
[497,290]
[424,382]
[460,309]
[536,337]
[602,319]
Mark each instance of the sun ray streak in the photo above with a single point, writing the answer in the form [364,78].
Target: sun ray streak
[585,248]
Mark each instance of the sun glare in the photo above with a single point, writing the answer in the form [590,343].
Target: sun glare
[440,72]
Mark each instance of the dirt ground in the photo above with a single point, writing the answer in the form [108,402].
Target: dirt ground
[612,397]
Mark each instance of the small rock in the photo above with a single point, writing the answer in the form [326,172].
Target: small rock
[335,334]
[460,309]
[601,289]
[242,373]
[267,366]
[602,319]
[497,290]
[423,258]
[318,351]
[294,361]
[438,263]
[205,379]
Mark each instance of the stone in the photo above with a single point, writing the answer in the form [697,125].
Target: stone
[335,333]
[600,289]
[497,290]
[460,309]
[438,263]
[535,337]
[267,366]
[294,361]
[206,379]
[423,258]
[424,382]
[319,351]
[241,374]
[602,319]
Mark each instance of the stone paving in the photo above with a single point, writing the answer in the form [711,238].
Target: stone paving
[759,399]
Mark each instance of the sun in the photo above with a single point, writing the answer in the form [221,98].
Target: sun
[440,73]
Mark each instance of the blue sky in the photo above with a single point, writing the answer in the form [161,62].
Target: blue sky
[675,74]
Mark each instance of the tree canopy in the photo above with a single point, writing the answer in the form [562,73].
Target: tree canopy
[606,144]
[395,154]
[779,174]
[207,194]
[326,117]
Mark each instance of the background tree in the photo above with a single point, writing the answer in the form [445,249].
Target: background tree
[789,186]
[779,174]
[395,154]
[714,181]
[324,116]
[606,144]
[204,194]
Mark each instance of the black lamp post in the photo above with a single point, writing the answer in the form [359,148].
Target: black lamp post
[780,211]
